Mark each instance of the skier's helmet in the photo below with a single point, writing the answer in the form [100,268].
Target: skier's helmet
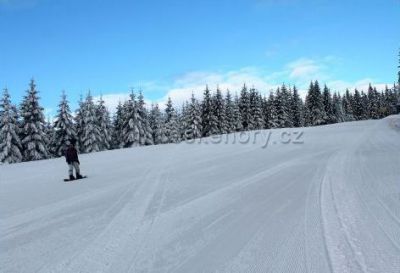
[73,141]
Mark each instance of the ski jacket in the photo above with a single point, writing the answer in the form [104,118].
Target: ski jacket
[71,155]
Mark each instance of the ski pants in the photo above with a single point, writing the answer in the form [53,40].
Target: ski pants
[72,166]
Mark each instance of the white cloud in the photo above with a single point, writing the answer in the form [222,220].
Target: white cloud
[49,114]
[111,100]
[195,82]
[363,84]
[304,68]
[299,72]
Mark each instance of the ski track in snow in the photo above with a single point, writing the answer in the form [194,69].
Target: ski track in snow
[331,204]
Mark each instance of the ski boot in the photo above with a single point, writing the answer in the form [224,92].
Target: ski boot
[71,177]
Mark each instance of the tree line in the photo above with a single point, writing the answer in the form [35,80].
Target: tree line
[26,136]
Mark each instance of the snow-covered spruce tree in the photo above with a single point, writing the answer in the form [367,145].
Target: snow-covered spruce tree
[280,108]
[347,106]
[183,120]
[297,109]
[116,138]
[396,94]
[393,100]
[338,108]
[130,125]
[397,89]
[256,110]
[145,132]
[382,110]
[206,113]
[229,113]
[260,121]
[273,120]
[91,136]
[34,139]
[244,107]
[79,122]
[328,106]
[265,112]
[171,123]
[315,112]
[288,97]
[193,119]
[282,105]
[358,109]
[63,127]
[214,123]
[157,125]
[104,125]
[218,120]
[10,143]
[373,105]
[49,131]
[364,105]
[386,100]
[237,118]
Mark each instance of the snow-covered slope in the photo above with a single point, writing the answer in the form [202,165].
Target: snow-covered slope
[329,204]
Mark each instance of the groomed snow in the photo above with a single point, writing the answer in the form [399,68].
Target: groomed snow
[329,204]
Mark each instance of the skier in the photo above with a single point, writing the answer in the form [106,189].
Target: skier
[71,156]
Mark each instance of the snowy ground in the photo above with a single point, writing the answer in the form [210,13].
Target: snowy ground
[330,204]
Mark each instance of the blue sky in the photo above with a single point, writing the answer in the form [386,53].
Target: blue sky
[173,48]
